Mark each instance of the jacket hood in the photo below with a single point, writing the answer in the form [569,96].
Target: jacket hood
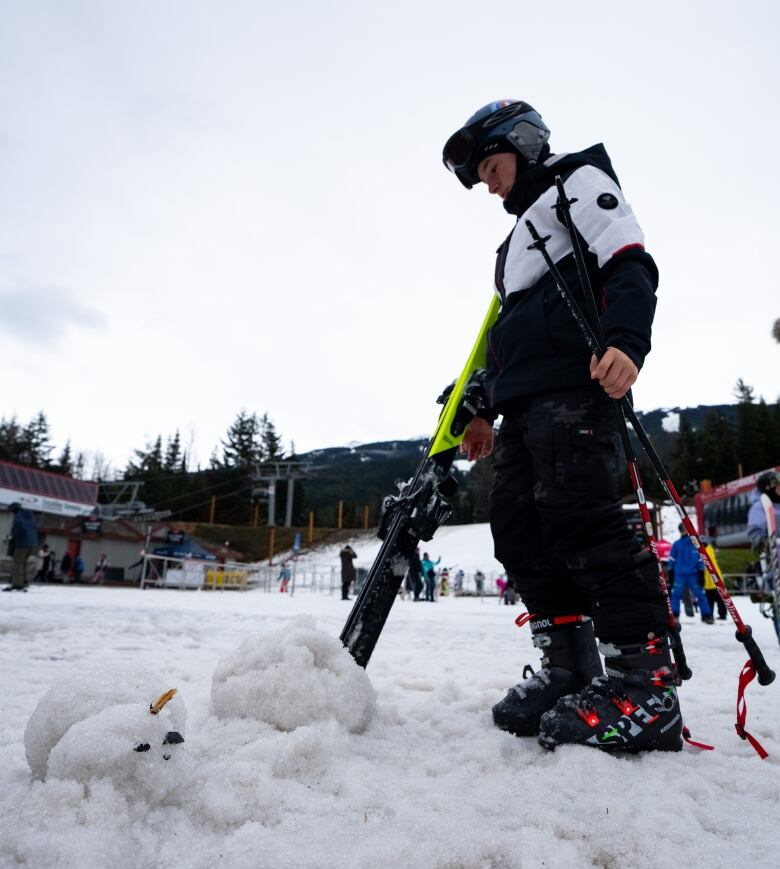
[532,181]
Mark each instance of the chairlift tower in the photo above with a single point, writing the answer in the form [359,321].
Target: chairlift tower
[268,474]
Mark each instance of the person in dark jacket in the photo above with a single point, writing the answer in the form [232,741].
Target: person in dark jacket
[66,565]
[24,540]
[555,515]
[348,556]
[415,572]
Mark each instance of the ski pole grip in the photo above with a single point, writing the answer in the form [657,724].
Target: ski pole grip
[764,673]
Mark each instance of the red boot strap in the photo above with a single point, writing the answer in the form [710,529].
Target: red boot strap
[703,745]
[523,619]
[745,678]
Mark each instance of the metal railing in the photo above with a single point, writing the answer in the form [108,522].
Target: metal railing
[190,573]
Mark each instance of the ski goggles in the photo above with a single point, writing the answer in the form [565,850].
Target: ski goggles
[458,155]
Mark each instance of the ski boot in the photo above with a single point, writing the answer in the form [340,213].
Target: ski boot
[632,708]
[570,659]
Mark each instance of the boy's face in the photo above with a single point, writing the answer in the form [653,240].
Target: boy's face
[499,172]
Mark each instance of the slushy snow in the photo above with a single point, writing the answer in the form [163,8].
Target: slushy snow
[295,757]
[293,677]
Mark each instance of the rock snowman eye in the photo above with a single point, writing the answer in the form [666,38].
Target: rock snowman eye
[172,737]
[142,746]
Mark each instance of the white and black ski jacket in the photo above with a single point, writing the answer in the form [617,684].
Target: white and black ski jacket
[536,345]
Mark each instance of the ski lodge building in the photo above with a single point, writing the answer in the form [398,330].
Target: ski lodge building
[69,521]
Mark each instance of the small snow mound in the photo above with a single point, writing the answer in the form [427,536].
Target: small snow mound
[81,695]
[293,677]
[126,745]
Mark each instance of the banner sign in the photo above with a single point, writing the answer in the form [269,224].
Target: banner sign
[44,504]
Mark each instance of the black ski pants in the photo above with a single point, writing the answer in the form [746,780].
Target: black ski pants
[557,523]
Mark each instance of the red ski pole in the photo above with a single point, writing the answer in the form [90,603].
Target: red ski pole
[757,665]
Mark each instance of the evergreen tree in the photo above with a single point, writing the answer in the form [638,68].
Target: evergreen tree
[766,455]
[243,447]
[717,450]
[12,445]
[173,454]
[686,465]
[775,413]
[28,445]
[39,447]
[748,436]
[65,462]
[776,330]
[78,466]
[271,442]
[743,393]
[147,463]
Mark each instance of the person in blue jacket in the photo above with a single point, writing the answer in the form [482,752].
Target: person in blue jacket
[687,571]
[24,538]
[429,574]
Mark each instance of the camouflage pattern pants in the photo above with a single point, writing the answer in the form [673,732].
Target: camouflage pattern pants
[557,523]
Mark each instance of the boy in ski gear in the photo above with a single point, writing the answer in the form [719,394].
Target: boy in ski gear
[686,571]
[556,519]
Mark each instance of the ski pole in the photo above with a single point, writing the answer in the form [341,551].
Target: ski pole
[564,203]
[744,632]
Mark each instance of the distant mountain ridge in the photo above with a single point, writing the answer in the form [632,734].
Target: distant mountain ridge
[356,453]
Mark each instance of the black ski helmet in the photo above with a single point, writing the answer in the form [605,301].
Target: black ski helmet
[766,484]
[503,125]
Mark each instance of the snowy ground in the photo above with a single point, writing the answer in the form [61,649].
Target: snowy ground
[297,758]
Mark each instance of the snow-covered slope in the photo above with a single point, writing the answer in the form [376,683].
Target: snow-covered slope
[276,772]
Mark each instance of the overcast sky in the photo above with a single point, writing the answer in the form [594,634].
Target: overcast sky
[210,206]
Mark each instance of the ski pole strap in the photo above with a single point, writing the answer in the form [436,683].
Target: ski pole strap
[703,745]
[745,678]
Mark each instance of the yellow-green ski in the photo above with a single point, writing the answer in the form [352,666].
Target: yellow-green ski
[421,508]
[443,437]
